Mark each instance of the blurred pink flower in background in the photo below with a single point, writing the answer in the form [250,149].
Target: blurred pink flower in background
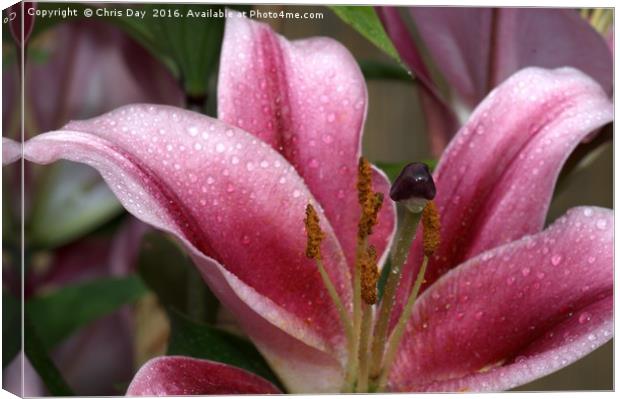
[475,49]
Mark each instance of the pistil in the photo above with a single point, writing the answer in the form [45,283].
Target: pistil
[430,223]
[413,188]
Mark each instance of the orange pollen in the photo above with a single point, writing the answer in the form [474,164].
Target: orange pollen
[364,181]
[370,276]
[432,227]
[370,215]
[314,232]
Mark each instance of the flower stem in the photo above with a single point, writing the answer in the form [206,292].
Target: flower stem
[399,330]
[406,234]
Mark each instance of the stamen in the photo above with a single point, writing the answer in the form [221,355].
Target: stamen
[432,227]
[313,251]
[370,276]
[314,232]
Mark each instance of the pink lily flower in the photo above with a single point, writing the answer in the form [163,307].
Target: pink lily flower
[520,302]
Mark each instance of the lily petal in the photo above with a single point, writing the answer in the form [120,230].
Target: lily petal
[308,100]
[477,48]
[532,298]
[563,345]
[179,375]
[518,139]
[11,151]
[232,201]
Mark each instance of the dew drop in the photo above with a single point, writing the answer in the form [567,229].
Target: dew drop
[314,163]
[230,188]
[479,315]
[525,271]
[210,180]
[245,240]
[220,147]
[601,224]
[591,259]
[328,139]
[234,160]
[169,147]
[296,194]
[193,131]
[340,194]
[587,212]
[540,275]
[556,260]
[249,166]
[584,317]
[264,164]
[198,146]
[510,280]
[331,117]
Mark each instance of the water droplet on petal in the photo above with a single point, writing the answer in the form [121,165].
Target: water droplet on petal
[479,315]
[296,193]
[584,317]
[556,260]
[220,147]
[193,131]
[245,240]
[525,271]
[314,163]
[601,224]
[587,212]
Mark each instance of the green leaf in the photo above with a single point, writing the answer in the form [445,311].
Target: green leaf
[62,312]
[381,70]
[11,328]
[193,43]
[169,272]
[37,354]
[202,341]
[73,200]
[365,20]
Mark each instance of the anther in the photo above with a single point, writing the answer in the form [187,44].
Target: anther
[370,215]
[432,227]
[370,276]
[314,232]
[364,181]
[414,187]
